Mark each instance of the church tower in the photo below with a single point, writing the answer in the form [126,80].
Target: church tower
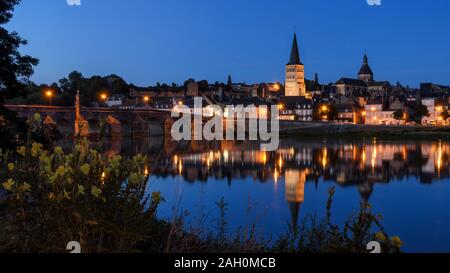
[295,73]
[365,73]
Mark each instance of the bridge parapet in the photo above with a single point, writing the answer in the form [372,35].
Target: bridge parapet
[130,121]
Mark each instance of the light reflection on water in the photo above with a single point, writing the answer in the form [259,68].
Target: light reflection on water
[406,181]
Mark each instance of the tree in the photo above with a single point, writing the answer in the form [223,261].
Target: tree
[203,86]
[419,112]
[324,111]
[117,85]
[445,116]
[15,67]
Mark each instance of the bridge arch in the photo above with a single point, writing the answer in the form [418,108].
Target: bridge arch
[113,127]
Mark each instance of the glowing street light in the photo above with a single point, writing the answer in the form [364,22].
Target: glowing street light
[104,96]
[49,94]
[146,99]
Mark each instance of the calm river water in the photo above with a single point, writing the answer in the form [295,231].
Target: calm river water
[405,181]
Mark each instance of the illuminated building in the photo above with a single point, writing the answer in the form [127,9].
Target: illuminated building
[295,73]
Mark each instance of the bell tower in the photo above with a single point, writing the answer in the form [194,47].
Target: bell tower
[295,73]
[365,73]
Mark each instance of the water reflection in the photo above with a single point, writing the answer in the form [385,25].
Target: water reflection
[357,165]
[352,164]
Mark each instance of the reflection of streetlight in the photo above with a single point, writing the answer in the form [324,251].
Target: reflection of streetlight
[49,94]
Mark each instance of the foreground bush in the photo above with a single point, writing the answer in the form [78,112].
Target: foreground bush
[54,198]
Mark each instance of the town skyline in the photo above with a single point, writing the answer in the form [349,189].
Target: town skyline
[176,55]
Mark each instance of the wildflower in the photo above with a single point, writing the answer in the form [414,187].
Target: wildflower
[8,185]
[95,191]
[11,167]
[58,150]
[36,149]
[397,241]
[22,151]
[85,169]
[61,171]
[80,190]
[25,187]
[379,236]
[157,197]
[133,179]
[66,195]
[115,161]
[45,160]
[37,117]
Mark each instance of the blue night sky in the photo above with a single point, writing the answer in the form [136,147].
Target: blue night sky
[149,41]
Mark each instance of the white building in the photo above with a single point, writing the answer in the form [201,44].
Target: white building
[435,110]
[376,114]
[115,100]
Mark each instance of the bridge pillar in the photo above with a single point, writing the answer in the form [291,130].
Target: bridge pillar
[140,127]
[48,121]
[168,123]
[114,127]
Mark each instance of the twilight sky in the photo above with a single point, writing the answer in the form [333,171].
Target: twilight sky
[149,41]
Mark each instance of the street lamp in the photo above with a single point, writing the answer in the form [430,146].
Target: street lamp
[49,94]
[146,99]
[104,97]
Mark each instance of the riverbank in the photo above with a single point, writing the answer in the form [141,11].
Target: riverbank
[316,129]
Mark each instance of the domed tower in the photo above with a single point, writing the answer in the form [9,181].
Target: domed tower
[365,73]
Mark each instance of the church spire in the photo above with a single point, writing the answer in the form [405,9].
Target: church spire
[295,56]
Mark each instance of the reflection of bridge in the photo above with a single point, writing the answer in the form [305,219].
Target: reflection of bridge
[117,122]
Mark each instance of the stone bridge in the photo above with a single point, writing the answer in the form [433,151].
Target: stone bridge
[138,122]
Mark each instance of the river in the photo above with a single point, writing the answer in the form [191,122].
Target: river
[407,182]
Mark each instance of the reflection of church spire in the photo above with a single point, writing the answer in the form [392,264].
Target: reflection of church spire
[294,207]
[295,193]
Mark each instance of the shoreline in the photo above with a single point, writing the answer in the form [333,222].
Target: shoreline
[357,131]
